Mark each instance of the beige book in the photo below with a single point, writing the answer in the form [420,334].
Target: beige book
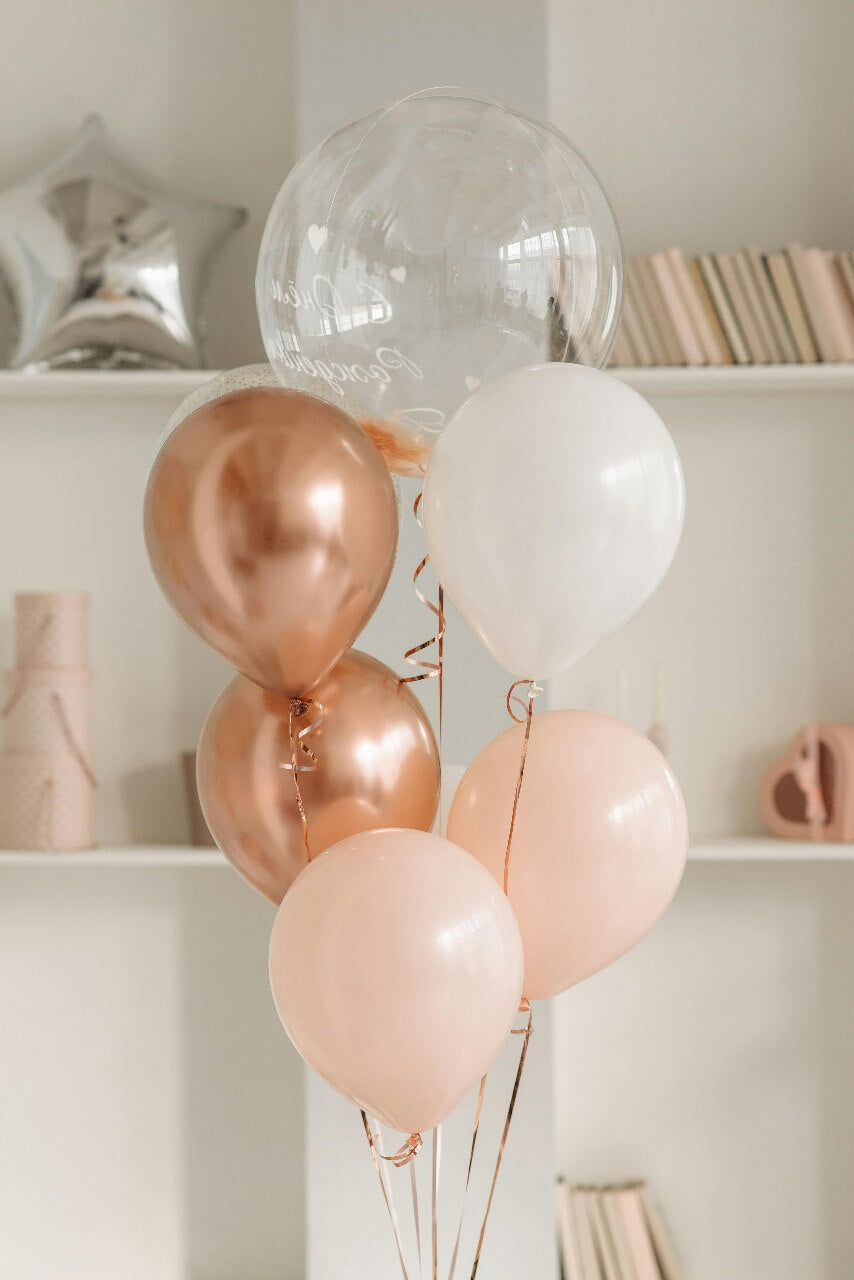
[784,347]
[725,355]
[780,272]
[644,312]
[636,1233]
[614,1218]
[731,278]
[809,302]
[832,300]
[845,268]
[668,1263]
[691,296]
[584,1234]
[567,1238]
[726,315]
[608,1264]
[635,333]
[673,352]
[757,310]
[622,354]
[679,315]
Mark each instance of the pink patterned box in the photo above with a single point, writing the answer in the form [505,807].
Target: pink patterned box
[51,629]
[47,709]
[46,802]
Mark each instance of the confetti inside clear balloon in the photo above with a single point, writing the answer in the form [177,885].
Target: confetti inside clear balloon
[429,247]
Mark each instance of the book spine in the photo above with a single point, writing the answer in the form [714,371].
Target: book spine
[678,311]
[831,300]
[673,352]
[767,343]
[726,315]
[668,1263]
[692,300]
[809,302]
[784,347]
[647,319]
[584,1235]
[731,277]
[780,271]
[636,1232]
[635,333]
[724,349]
[567,1239]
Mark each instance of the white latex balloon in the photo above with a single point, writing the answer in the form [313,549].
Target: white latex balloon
[553,507]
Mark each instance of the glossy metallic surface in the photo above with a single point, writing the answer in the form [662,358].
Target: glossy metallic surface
[271,526]
[104,268]
[377,765]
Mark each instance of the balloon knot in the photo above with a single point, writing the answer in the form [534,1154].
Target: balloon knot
[299,707]
[407,1152]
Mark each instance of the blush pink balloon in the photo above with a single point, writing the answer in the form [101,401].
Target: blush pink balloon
[599,844]
[396,968]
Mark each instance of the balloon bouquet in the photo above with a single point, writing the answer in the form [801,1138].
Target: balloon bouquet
[437,285]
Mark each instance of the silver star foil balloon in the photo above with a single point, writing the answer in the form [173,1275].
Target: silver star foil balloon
[105,269]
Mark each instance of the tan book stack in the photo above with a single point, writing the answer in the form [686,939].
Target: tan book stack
[794,306]
[613,1233]
[46,778]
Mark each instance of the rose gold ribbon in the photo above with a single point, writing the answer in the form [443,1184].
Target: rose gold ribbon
[430,670]
[525,1032]
[377,1156]
[534,691]
[407,1153]
[465,1189]
[303,759]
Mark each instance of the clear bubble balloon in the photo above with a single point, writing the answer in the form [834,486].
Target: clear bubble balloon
[427,248]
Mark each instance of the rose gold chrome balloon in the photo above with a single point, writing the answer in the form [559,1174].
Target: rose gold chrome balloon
[271,525]
[377,766]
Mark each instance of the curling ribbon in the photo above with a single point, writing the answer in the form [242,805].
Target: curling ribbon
[429,670]
[534,691]
[303,759]
[525,1032]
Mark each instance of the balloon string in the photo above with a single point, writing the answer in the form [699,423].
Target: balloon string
[303,759]
[475,1129]
[430,670]
[534,691]
[434,1196]
[387,1193]
[525,1032]
[413,1184]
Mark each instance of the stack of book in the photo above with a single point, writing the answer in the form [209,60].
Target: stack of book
[746,307]
[612,1233]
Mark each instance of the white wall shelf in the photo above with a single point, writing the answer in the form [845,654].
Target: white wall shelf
[762,380]
[156,857]
[98,384]
[166,857]
[148,385]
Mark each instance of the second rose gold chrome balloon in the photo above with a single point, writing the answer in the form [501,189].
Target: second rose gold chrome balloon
[377,766]
[271,526]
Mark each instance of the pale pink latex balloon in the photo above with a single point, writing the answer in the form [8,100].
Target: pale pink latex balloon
[396,968]
[599,845]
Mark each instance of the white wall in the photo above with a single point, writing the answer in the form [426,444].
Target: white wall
[711,125]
